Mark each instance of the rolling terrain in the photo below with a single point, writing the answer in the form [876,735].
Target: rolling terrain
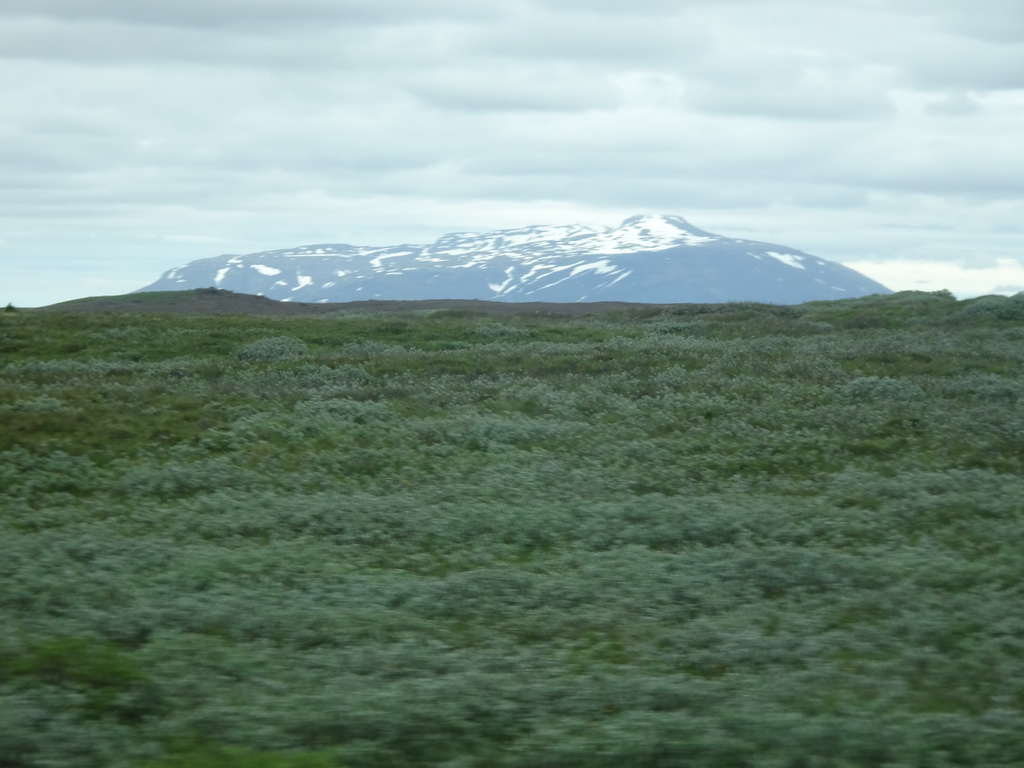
[700,534]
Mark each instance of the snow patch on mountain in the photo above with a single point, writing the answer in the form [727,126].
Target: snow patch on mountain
[789,259]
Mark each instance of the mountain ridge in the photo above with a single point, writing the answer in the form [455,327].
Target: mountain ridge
[648,258]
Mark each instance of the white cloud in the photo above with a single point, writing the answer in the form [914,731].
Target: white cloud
[1005,277]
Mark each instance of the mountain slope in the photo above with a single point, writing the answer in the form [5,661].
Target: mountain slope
[657,259]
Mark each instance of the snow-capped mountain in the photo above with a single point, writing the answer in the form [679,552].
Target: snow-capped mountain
[651,259]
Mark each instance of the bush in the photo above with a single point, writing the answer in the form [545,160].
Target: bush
[241,757]
[272,348]
[999,307]
[880,389]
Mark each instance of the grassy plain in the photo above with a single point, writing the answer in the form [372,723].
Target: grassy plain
[710,535]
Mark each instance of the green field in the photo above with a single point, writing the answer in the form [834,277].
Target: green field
[717,535]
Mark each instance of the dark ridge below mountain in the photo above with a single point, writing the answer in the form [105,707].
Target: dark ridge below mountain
[218,301]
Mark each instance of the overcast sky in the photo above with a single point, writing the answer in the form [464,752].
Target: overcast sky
[136,135]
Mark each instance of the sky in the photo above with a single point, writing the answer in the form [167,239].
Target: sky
[887,135]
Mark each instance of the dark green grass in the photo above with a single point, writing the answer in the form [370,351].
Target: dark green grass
[728,535]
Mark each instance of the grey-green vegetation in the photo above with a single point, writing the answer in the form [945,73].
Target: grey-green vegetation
[722,535]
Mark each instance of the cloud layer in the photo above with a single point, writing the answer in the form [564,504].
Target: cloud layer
[138,136]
